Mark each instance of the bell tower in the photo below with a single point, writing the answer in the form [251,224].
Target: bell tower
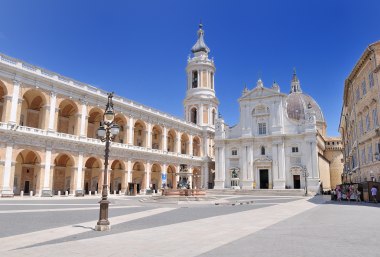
[201,104]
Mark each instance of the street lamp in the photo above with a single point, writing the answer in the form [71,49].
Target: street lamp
[106,133]
[305,174]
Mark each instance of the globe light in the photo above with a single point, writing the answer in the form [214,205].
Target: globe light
[109,116]
[101,131]
[115,129]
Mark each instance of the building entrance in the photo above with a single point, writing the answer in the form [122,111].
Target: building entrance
[296,181]
[26,187]
[264,179]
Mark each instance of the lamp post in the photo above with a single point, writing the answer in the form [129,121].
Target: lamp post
[305,174]
[106,133]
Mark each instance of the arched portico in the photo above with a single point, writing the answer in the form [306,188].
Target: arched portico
[139,138]
[68,118]
[3,94]
[117,174]
[93,178]
[171,177]
[63,174]
[156,180]
[138,175]
[157,137]
[171,140]
[196,146]
[184,144]
[28,177]
[33,109]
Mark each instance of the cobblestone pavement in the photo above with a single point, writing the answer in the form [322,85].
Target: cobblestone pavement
[213,226]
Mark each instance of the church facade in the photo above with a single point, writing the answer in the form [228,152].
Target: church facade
[279,143]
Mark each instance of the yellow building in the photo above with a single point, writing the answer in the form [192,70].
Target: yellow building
[359,125]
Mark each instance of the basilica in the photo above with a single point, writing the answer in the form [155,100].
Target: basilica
[49,146]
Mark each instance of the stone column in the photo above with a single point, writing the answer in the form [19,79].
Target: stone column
[191,177]
[7,190]
[220,168]
[165,140]
[164,175]
[178,142]
[191,150]
[204,177]
[53,101]
[80,177]
[149,136]
[148,174]
[200,115]
[15,98]
[244,162]
[175,183]
[130,131]
[47,190]
[83,120]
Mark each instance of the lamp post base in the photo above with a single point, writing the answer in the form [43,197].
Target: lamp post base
[102,227]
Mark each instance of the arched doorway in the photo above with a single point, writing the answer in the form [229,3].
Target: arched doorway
[3,93]
[32,111]
[93,178]
[138,175]
[116,177]
[94,118]
[196,146]
[155,179]
[184,144]
[68,118]
[63,175]
[27,176]
[139,134]
[157,137]
[122,136]
[171,140]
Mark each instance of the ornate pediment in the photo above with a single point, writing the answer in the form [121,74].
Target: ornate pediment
[258,92]
[263,160]
[296,170]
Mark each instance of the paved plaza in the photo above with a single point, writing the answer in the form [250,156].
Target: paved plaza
[220,225]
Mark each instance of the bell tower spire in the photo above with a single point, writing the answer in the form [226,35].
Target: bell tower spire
[201,104]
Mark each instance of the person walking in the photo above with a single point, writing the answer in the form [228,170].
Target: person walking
[374,194]
[358,193]
[339,195]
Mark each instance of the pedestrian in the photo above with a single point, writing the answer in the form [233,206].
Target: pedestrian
[358,193]
[339,195]
[348,194]
[374,194]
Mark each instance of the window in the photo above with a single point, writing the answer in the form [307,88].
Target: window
[295,149]
[234,152]
[194,82]
[139,132]
[367,122]
[262,150]
[262,128]
[193,115]
[370,78]
[361,126]
[357,95]
[370,156]
[374,118]
[364,87]
[363,156]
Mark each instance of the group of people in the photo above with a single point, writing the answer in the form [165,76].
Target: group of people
[350,192]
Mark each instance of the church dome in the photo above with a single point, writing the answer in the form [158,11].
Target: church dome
[297,103]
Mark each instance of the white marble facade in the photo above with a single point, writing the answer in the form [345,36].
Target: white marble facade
[275,142]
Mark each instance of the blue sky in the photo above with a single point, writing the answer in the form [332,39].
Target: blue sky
[139,49]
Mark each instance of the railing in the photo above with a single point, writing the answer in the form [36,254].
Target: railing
[73,83]
[75,138]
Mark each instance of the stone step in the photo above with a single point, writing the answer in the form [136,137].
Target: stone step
[264,192]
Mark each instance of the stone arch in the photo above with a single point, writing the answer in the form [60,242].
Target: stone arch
[68,118]
[63,174]
[95,116]
[28,175]
[93,178]
[138,175]
[157,137]
[117,173]
[3,94]
[33,111]
[184,144]
[171,140]
[155,178]
[121,120]
[171,177]
[196,146]
[139,137]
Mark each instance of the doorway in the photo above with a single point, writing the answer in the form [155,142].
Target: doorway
[297,181]
[26,187]
[264,179]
